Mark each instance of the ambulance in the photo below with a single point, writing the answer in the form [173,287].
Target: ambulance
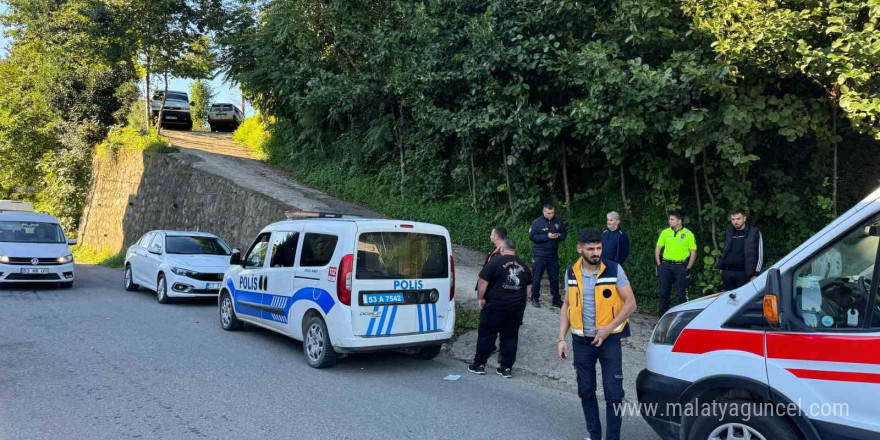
[344,284]
[794,354]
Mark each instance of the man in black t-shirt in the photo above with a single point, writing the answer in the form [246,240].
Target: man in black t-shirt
[503,290]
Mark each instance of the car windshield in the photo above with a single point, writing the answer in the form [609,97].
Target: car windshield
[401,255]
[31,232]
[221,108]
[182,244]
[171,95]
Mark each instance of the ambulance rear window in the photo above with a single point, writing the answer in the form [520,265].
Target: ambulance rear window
[401,255]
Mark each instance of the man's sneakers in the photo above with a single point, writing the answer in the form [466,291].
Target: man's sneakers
[477,369]
[536,303]
[505,372]
[557,303]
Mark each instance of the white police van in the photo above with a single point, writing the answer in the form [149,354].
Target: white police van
[794,354]
[345,285]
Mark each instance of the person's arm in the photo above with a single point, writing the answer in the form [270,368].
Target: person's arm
[629,306]
[760,263]
[561,346]
[623,248]
[529,291]
[692,246]
[536,235]
[562,232]
[482,285]
[657,251]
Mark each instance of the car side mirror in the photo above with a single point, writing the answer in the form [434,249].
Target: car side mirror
[235,258]
[155,249]
[771,296]
[71,241]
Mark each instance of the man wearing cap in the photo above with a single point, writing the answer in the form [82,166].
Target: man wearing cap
[597,307]
[675,255]
[615,242]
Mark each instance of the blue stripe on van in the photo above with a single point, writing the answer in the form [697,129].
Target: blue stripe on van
[391,321]
[382,320]
[434,313]
[419,308]
[372,321]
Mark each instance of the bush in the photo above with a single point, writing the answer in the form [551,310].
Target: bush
[103,257]
[131,138]
[252,133]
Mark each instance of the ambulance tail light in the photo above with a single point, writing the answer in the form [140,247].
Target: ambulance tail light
[671,325]
[452,272]
[343,280]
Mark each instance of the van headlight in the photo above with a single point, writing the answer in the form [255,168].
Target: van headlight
[65,259]
[671,325]
[4,258]
[184,272]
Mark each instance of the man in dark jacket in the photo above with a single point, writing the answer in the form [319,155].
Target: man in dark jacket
[743,255]
[497,236]
[615,242]
[546,233]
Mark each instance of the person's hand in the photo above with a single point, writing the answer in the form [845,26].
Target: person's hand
[601,334]
[687,274]
[562,350]
[481,303]
[552,236]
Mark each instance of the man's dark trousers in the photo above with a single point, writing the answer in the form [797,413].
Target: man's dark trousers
[672,274]
[734,279]
[610,357]
[551,266]
[495,321]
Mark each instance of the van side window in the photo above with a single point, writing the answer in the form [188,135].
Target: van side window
[317,250]
[284,249]
[257,254]
[832,289]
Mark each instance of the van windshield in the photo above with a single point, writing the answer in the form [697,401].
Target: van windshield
[401,255]
[195,245]
[31,232]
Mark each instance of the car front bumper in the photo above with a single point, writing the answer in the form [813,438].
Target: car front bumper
[659,402]
[184,287]
[12,273]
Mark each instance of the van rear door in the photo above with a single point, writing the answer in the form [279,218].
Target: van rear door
[402,279]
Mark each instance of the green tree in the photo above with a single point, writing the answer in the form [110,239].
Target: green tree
[201,93]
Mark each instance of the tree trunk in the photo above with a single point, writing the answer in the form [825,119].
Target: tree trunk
[623,188]
[473,181]
[507,177]
[565,178]
[148,100]
[699,202]
[162,107]
[834,171]
[711,200]
[397,123]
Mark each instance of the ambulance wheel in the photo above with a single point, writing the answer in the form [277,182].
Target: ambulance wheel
[128,280]
[228,320]
[316,343]
[162,290]
[428,353]
[742,423]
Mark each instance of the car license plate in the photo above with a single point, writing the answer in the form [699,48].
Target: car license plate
[221,114]
[381,299]
[35,271]
[212,286]
[171,118]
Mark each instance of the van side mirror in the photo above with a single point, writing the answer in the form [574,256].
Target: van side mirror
[71,241]
[235,258]
[771,296]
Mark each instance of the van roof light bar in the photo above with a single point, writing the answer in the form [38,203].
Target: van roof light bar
[299,214]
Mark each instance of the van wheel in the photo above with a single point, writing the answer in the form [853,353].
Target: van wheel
[128,280]
[162,290]
[228,320]
[742,423]
[428,353]
[316,343]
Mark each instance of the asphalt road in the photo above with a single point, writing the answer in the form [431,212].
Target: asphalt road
[97,362]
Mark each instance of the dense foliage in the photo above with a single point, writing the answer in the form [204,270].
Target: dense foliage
[201,93]
[503,104]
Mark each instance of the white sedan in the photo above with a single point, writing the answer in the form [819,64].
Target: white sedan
[177,264]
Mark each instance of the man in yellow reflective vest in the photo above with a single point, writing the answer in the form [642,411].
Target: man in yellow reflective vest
[675,255]
[597,307]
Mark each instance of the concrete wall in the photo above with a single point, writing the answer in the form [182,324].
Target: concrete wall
[133,192]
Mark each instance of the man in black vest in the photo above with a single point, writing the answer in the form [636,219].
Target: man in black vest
[546,233]
[497,236]
[743,255]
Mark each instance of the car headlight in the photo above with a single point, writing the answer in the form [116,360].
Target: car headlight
[4,259]
[65,259]
[671,325]
[184,272]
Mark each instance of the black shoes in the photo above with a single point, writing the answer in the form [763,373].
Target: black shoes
[505,372]
[557,303]
[477,369]
[536,303]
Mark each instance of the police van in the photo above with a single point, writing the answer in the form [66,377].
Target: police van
[794,354]
[343,284]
